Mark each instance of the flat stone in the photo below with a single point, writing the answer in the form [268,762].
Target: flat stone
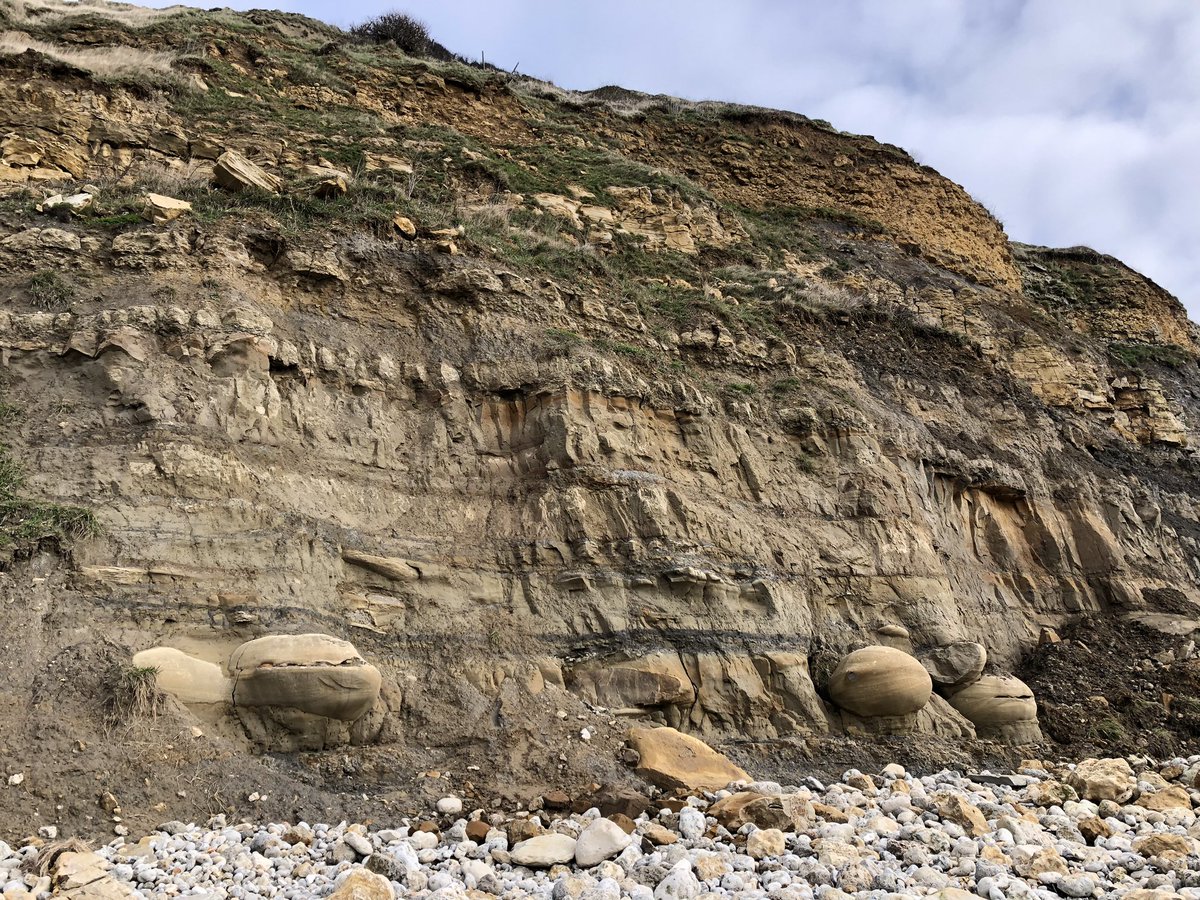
[544,851]
[672,760]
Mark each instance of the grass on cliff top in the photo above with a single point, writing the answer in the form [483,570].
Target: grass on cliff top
[27,526]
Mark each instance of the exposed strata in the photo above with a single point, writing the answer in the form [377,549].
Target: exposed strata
[514,486]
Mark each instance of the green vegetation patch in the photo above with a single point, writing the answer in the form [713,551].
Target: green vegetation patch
[1137,354]
[27,526]
[50,290]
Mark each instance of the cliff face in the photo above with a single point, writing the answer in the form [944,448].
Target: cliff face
[539,399]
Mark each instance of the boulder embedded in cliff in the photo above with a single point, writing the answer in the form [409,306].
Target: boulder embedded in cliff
[657,679]
[955,665]
[880,681]
[234,172]
[188,679]
[313,673]
[999,706]
[671,760]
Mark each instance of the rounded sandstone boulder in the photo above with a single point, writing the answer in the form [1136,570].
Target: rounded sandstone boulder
[313,673]
[995,700]
[880,681]
[188,679]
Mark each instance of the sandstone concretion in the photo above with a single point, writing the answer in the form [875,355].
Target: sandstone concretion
[999,706]
[880,681]
[313,673]
[185,677]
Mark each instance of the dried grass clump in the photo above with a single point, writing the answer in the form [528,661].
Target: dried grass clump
[123,63]
[134,694]
[27,12]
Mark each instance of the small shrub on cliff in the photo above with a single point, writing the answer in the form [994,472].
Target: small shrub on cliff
[1136,354]
[409,34]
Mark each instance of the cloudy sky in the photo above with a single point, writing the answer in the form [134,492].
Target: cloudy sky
[1074,121]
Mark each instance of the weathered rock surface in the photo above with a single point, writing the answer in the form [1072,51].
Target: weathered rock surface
[544,851]
[1103,779]
[601,840]
[955,665]
[236,173]
[880,681]
[999,706]
[672,760]
[758,394]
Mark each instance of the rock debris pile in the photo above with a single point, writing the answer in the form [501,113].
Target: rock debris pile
[1103,828]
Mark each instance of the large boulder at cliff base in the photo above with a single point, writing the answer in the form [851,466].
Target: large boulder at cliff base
[880,681]
[999,706]
[673,760]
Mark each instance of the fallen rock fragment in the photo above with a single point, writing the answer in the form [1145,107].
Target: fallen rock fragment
[361,884]
[673,760]
[1103,779]
[601,840]
[234,172]
[544,851]
[161,209]
[955,665]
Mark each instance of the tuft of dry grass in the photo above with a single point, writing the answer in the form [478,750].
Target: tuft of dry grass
[101,62]
[39,12]
[134,694]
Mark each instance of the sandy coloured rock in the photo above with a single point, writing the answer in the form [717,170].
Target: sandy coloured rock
[880,681]
[236,173]
[189,679]
[671,759]
[359,884]
[955,665]
[999,706]
[160,209]
[1103,779]
[544,850]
